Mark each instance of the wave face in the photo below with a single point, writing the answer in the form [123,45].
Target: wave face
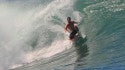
[32,37]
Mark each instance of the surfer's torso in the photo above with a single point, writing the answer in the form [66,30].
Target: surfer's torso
[71,26]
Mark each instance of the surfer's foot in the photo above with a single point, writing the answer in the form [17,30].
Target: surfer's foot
[79,34]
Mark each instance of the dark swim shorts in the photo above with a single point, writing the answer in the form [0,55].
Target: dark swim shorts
[72,35]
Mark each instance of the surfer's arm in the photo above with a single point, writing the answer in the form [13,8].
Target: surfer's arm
[65,29]
[75,22]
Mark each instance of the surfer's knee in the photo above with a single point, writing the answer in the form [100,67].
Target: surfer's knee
[76,28]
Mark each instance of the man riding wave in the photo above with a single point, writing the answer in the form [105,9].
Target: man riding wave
[73,29]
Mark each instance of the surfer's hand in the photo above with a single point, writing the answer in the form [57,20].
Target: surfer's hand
[65,30]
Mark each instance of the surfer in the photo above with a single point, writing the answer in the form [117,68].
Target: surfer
[72,28]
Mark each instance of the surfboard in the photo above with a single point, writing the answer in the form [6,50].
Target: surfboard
[80,36]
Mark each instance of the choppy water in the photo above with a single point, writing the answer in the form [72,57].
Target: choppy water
[32,37]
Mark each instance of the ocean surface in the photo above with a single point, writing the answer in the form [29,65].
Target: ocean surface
[32,35]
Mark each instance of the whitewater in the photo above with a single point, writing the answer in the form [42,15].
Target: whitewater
[32,35]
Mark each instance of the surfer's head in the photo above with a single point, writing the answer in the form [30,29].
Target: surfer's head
[68,19]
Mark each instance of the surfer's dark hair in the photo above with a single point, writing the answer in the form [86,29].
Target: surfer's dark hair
[68,18]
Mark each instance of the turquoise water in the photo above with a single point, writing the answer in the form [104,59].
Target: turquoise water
[32,37]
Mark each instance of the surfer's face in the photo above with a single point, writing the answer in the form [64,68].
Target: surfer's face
[68,19]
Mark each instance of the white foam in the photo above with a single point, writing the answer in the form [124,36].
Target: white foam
[18,25]
[56,47]
[53,7]
[11,36]
[45,15]
[15,66]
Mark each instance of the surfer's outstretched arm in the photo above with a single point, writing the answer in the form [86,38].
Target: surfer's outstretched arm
[75,22]
[66,26]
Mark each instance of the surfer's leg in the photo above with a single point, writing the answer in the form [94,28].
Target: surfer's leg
[77,29]
[72,35]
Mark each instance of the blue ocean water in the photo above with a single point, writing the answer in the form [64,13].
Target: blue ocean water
[32,37]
